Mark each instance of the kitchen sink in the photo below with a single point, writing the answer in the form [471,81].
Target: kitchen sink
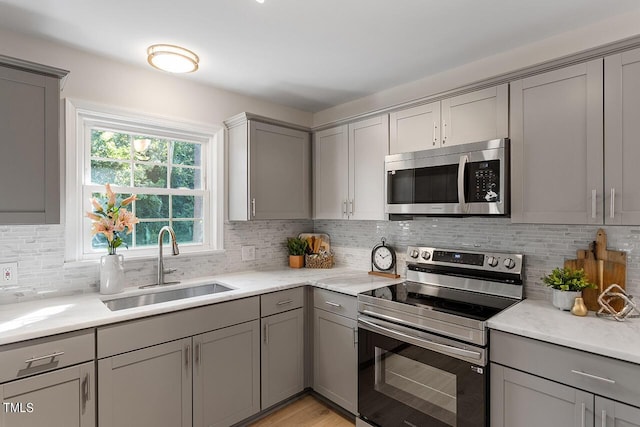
[164,296]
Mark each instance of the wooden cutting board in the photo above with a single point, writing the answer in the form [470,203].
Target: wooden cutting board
[602,267]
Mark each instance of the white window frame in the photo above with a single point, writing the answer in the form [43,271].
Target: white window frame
[80,117]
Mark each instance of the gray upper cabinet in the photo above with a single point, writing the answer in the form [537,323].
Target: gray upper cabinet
[557,146]
[335,348]
[471,117]
[622,127]
[30,161]
[269,170]
[349,170]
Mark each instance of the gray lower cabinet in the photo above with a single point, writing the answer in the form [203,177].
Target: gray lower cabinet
[231,357]
[335,361]
[147,387]
[282,356]
[610,413]
[65,397]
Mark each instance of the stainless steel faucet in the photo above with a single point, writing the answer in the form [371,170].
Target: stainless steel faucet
[174,243]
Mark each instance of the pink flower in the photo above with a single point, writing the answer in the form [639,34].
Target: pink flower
[111,195]
[128,219]
[96,205]
[128,200]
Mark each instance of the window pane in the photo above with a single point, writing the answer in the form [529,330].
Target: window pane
[147,233]
[110,145]
[188,231]
[150,149]
[150,176]
[99,241]
[186,178]
[152,206]
[115,173]
[186,153]
[187,207]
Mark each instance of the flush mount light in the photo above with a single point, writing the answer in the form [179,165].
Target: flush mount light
[174,59]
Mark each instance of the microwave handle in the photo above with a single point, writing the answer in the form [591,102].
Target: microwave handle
[464,159]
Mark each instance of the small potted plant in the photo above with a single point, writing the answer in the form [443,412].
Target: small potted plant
[567,285]
[297,247]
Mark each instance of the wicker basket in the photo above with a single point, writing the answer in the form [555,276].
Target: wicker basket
[318,261]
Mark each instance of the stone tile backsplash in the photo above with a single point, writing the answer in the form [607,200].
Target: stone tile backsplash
[39,250]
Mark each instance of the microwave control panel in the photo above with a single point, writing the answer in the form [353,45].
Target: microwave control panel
[483,180]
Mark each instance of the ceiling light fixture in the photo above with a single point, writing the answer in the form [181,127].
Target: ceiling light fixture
[174,59]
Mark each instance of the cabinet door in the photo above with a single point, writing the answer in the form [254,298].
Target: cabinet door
[476,116]
[610,413]
[29,164]
[368,145]
[622,147]
[282,356]
[148,387]
[524,400]
[556,146]
[331,173]
[280,167]
[60,398]
[415,129]
[335,360]
[226,376]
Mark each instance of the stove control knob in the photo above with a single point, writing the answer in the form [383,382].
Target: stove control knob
[509,263]
[414,253]
[426,255]
[492,261]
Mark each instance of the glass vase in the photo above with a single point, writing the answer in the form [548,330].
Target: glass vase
[111,274]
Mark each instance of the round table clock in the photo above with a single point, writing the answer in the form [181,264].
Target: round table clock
[383,260]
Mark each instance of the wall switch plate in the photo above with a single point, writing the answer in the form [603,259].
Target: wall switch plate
[248,253]
[9,273]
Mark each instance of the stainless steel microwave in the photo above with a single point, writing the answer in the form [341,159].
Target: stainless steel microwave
[467,179]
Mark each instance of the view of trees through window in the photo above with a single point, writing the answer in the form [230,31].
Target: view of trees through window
[166,176]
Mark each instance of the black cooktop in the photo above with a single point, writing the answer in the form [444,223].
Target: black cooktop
[471,305]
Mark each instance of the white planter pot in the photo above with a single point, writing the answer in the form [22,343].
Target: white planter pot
[564,299]
[111,274]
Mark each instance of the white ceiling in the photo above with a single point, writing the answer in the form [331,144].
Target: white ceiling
[308,54]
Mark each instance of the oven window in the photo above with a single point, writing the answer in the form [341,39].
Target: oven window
[436,184]
[427,389]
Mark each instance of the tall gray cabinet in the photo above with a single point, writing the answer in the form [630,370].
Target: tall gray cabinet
[29,129]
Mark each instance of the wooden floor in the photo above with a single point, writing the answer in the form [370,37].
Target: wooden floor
[305,412]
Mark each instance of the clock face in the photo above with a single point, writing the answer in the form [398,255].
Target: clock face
[383,258]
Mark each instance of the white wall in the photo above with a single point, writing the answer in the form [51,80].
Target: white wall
[142,88]
[604,32]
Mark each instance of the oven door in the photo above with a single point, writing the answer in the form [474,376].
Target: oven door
[412,378]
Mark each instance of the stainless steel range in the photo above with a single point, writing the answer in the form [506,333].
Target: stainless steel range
[423,344]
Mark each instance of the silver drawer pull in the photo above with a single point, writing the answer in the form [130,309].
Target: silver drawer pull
[333,304]
[287,301]
[593,377]
[48,356]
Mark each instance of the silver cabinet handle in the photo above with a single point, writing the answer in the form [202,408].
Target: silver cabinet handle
[266,333]
[253,207]
[593,377]
[344,207]
[351,207]
[435,129]
[444,132]
[287,301]
[593,203]
[582,415]
[197,353]
[464,159]
[187,350]
[355,337]
[332,304]
[604,418]
[613,203]
[86,396]
[48,356]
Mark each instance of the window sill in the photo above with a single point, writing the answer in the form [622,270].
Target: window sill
[143,255]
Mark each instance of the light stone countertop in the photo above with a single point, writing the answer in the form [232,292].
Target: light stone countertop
[39,318]
[542,321]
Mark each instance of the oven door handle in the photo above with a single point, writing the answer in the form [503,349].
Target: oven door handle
[421,342]
[464,159]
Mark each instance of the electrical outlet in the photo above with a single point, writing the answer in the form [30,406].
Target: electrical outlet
[9,273]
[248,253]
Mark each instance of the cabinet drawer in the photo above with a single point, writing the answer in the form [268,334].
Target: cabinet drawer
[137,334]
[278,302]
[335,302]
[45,354]
[597,374]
